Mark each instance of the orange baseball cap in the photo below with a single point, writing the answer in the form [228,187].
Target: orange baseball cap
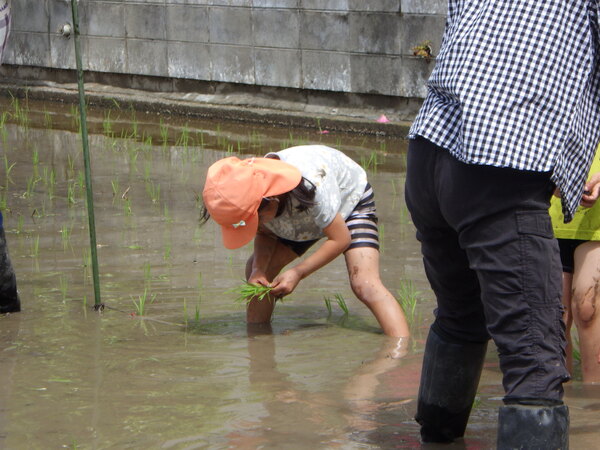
[234,189]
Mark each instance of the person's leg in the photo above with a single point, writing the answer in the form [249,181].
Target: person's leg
[567,279]
[499,219]
[9,297]
[363,270]
[457,341]
[567,258]
[585,304]
[260,311]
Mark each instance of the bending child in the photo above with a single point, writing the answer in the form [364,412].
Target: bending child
[289,200]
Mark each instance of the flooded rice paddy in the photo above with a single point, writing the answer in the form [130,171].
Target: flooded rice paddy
[170,363]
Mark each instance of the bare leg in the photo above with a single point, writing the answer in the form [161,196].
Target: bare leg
[585,304]
[260,311]
[363,269]
[568,316]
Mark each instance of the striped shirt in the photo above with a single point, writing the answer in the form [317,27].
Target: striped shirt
[4,25]
[517,84]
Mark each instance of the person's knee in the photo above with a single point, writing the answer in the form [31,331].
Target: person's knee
[365,288]
[584,304]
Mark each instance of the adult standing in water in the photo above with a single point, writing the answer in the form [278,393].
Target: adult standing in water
[9,298]
[511,112]
[286,202]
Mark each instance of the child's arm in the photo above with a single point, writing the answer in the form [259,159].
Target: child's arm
[264,246]
[338,239]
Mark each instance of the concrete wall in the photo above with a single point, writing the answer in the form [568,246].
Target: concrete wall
[350,46]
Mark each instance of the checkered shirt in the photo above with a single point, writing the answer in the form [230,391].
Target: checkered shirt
[517,84]
[4,25]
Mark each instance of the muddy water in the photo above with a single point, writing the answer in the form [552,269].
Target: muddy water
[188,373]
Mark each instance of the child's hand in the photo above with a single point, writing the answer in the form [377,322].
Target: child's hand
[591,191]
[285,283]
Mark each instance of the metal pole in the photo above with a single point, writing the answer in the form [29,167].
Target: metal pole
[86,159]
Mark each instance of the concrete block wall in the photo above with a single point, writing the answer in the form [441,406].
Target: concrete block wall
[349,46]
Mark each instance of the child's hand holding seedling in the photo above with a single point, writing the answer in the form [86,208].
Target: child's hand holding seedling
[247,291]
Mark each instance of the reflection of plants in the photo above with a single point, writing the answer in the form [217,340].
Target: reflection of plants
[340,301]
[248,291]
[63,286]
[408,298]
[35,247]
[142,301]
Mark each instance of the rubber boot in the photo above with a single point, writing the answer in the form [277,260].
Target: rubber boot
[533,427]
[9,298]
[449,381]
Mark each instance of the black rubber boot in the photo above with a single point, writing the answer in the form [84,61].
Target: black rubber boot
[449,381]
[9,298]
[533,427]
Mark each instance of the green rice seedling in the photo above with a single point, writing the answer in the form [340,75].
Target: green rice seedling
[31,182]
[142,301]
[147,171]
[381,228]
[408,299]
[342,303]
[197,313]
[47,120]
[20,222]
[65,234]
[200,286]
[107,124]
[247,291]
[3,118]
[115,188]
[371,162]
[51,183]
[3,200]
[153,191]
[127,206]
[134,126]
[184,138]
[7,169]
[80,181]
[75,119]
[164,133]
[339,300]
